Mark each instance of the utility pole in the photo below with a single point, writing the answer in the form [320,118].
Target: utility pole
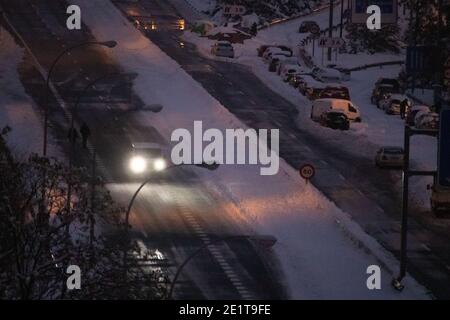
[330,27]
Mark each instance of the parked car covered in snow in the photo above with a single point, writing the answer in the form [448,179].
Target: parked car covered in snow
[262,49]
[411,117]
[291,71]
[222,49]
[390,157]
[326,74]
[427,120]
[274,51]
[310,87]
[286,63]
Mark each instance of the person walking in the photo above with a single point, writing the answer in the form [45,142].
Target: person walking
[403,108]
[85,134]
[72,135]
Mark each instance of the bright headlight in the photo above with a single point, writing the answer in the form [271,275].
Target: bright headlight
[159,164]
[138,164]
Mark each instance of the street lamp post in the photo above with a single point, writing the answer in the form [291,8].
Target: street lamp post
[72,143]
[108,44]
[266,241]
[72,127]
[330,27]
[211,167]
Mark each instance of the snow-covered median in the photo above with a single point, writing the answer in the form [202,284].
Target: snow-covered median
[319,259]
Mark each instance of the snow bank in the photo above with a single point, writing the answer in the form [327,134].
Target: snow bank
[320,261]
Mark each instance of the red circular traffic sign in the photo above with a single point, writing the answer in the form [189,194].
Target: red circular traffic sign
[314,29]
[307,171]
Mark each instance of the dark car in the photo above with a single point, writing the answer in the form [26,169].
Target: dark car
[381,92]
[335,92]
[273,65]
[296,80]
[313,93]
[307,26]
[335,120]
[388,81]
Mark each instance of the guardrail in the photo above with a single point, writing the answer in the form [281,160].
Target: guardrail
[375,65]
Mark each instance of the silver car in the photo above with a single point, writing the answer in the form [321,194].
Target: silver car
[390,157]
[222,49]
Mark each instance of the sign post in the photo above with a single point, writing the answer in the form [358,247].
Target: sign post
[444,150]
[315,32]
[307,172]
[447,74]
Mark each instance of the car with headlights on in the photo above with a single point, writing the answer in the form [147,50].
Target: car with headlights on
[146,157]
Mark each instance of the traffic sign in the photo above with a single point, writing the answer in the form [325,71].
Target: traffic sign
[444,149]
[307,172]
[326,42]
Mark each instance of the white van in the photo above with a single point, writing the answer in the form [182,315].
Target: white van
[321,106]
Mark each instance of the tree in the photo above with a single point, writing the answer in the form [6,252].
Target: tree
[361,39]
[41,234]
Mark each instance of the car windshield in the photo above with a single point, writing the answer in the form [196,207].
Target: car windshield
[395,101]
[394,151]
